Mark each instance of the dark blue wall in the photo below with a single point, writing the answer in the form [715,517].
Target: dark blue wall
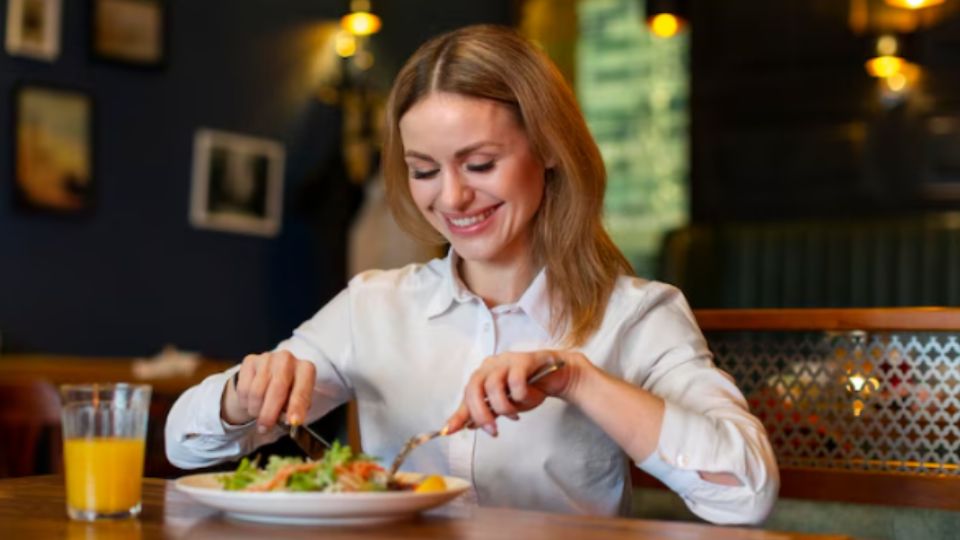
[133,274]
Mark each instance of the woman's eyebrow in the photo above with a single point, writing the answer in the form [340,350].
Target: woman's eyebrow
[459,153]
[476,146]
[418,155]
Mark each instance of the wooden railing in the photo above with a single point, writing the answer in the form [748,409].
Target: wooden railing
[911,336]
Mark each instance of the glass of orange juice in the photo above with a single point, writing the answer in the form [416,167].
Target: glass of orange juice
[104,432]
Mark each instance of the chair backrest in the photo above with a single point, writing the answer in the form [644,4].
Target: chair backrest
[30,427]
[817,263]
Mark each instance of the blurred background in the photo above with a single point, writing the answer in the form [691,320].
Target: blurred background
[755,158]
[204,175]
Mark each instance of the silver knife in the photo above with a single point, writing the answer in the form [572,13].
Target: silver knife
[309,441]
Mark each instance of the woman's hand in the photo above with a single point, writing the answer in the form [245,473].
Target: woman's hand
[269,383]
[499,387]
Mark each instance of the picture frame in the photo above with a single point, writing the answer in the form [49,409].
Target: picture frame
[53,169]
[237,183]
[129,32]
[33,29]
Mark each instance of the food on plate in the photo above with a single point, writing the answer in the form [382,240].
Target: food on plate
[340,470]
[431,484]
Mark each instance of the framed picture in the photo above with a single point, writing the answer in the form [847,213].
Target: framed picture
[53,155]
[237,183]
[129,31]
[33,28]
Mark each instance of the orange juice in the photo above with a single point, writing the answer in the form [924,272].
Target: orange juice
[103,473]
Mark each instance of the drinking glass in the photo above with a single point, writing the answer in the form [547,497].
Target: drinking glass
[104,434]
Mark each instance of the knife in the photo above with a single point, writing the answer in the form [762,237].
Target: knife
[308,440]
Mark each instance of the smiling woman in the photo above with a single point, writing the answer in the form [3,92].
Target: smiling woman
[476,180]
[486,150]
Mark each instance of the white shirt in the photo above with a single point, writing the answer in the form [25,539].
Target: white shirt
[404,342]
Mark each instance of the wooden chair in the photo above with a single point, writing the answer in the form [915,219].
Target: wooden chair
[30,425]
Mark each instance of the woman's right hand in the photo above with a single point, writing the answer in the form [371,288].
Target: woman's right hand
[269,383]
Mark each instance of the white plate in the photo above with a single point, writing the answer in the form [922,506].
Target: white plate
[314,508]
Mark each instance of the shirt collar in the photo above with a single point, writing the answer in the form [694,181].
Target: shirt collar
[535,301]
[451,287]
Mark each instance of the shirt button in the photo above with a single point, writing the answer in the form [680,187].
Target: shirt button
[681,460]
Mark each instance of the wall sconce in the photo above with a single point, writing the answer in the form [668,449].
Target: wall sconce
[886,61]
[666,18]
[913,4]
[360,21]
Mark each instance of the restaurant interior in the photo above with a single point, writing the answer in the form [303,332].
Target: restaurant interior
[793,166]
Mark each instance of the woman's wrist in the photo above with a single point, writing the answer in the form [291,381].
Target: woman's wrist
[583,376]
[231,411]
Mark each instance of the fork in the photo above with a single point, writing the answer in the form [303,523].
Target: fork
[417,440]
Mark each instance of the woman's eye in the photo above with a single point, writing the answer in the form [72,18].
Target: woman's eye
[480,167]
[420,175]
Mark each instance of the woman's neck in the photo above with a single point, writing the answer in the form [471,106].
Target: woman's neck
[498,283]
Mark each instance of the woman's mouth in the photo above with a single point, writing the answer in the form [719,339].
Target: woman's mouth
[471,222]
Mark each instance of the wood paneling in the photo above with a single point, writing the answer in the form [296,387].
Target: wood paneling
[919,318]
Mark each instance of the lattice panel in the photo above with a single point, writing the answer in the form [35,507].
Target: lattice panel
[883,401]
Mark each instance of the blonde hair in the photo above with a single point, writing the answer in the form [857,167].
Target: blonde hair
[569,240]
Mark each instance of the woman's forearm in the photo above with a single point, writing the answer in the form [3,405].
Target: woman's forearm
[631,416]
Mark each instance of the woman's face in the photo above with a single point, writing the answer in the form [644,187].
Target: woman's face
[473,175]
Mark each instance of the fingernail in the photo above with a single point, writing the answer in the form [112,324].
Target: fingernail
[490,429]
[514,417]
[293,420]
[261,429]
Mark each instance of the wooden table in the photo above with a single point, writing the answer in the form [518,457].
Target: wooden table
[33,507]
[58,370]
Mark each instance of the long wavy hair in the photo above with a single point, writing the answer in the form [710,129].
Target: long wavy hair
[492,62]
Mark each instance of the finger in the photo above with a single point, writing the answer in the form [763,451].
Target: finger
[247,371]
[278,392]
[495,386]
[474,397]
[517,382]
[258,385]
[458,420]
[301,395]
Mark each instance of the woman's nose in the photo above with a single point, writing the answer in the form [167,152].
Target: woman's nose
[456,193]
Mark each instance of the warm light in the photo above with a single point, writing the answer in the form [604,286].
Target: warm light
[896,82]
[664,25]
[884,66]
[361,23]
[887,45]
[345,44]
[913,4]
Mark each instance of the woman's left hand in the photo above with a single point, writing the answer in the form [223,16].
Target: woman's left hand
[499,387]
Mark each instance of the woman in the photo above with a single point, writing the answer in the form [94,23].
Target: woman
[487,151]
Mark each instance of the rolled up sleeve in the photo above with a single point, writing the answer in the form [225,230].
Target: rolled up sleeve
[195,434]
[706,424]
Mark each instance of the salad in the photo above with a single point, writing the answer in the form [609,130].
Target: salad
[340,470]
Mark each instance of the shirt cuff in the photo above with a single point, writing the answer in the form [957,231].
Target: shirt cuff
[680,481]
[687,439]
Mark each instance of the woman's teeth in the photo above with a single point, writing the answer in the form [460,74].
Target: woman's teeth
[472,220]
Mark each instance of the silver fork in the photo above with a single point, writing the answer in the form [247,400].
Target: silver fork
[417,440]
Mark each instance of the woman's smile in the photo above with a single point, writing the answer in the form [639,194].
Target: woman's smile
[470,223]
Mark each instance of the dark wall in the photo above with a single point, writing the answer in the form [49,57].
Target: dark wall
[133,274]
[788,124]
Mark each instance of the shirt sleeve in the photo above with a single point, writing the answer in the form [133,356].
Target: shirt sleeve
[706,424]
[195,434]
